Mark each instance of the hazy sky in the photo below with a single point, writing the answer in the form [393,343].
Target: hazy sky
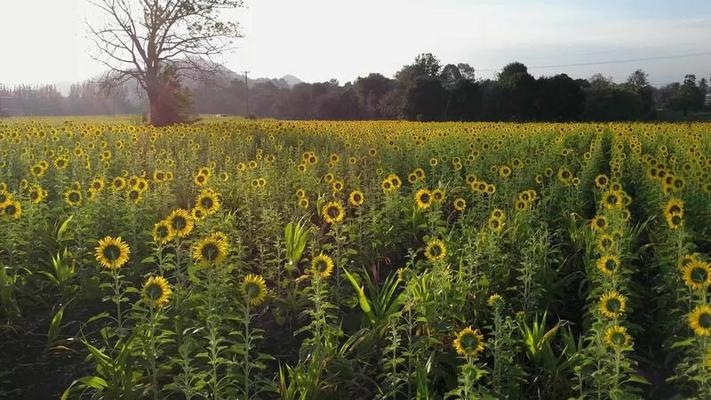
[315,40]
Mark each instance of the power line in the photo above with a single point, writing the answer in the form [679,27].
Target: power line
[607,62]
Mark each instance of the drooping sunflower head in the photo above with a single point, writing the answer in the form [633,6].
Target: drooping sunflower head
[612,304]
[181,222]
[700,320]
[469,342]
[697,275]
[356,198]
[435,250]
[322,266]
[460,204]
[617,338]
[423,198]
[254,289]
[333,212]
[112,253]
[156,291]
[162,233]
[211,250]
[608,265]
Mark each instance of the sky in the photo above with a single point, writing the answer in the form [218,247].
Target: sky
[45,41]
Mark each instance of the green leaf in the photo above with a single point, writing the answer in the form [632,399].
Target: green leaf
[362,298]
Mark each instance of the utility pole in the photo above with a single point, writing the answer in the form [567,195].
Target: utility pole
[246,88]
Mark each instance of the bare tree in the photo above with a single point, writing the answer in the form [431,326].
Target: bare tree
[147,40]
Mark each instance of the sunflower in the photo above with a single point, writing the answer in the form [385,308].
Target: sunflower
[700,320]
[303,202]
[118,184]
[565,176]
[469,342]
[608,265]
[200,179]
[674,220]
[494,300]
[674,206]
[37,194]
[254,288]
[322,266]
[612,199]
[697,275]
[208,202]
[439,195]
[134,195]
[112,253]
[612,304]
[423,199]
[72,197]
[5,198]
[356,198]
[12,210]
[162,233]
[460,204]
[605,243]
[211,250]
[156,291]
[617,337]
[181,222]
[599,223]
[333,212]
[601,181]
[97,184]
[495,224]
[435,250]
[504,171]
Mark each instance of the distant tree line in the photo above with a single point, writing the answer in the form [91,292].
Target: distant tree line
[424,90]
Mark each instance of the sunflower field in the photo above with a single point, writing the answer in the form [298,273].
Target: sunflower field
[242,259]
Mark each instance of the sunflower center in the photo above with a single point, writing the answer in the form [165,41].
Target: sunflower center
[206,203]
[332,212]
[469,342]
[618,338]
[705,320]
[676,220]
[699,275]
[613,305]
[74,197]
[251,289]
[610,264]
[154,291]
[112,252]
[210,251]
[179,223]
[11,209]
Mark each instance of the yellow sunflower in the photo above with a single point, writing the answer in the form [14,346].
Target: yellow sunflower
[333,212]
[72,197]
[208,201]
[608,265]
[605,243]
[254,288]
[700,320]
[162,233]
[460,204]
[435,250]
[494,300]
[5,198]
[156,291]
[495,224]
[112,253]
[599,223]
[612,304]
[423,199]
[12,210]
[322,265]
[697,275]
[356,198]
[211,250]
[469,342]
[181,222]
[617,337]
